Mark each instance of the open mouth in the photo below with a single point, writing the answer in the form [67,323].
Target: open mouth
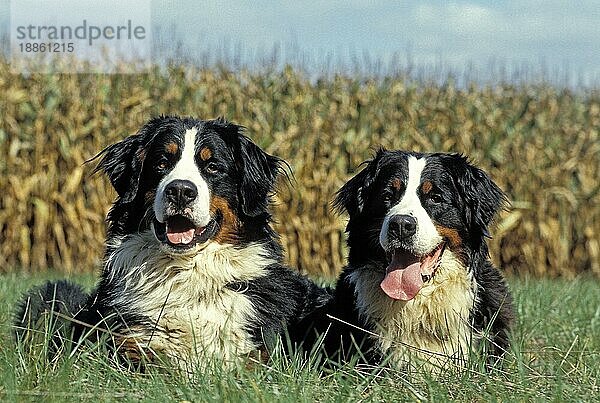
[406,274]
[180,233]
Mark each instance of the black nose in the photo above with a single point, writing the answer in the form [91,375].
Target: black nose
[402,226]
[181,192]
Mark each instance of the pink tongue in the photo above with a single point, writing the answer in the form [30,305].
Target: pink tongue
[403,284]
[184,237]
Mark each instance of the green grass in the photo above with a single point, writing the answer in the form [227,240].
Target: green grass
[556,356]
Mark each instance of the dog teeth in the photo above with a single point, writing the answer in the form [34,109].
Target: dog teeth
[425,277]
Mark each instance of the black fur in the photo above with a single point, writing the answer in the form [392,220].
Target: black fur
[334,330]
[48,308]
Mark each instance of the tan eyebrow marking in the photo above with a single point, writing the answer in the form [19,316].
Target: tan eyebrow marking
[426,187]
[171,148]
[205,153]
[397,184]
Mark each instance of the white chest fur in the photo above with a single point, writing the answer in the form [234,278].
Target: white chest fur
[196,318]
[433,327]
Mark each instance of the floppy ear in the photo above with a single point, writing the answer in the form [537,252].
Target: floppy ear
[352,196]
[483,198]
[122,162]
[259,172]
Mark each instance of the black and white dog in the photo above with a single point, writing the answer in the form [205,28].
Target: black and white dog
[418,279]
[193,270]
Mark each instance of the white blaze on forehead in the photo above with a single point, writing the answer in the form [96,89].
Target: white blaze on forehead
[426,237]
[186,169]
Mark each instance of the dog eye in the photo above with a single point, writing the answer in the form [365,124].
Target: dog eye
[436,198]
[162,164]
[211,168]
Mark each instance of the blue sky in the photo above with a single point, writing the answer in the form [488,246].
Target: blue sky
[559,35]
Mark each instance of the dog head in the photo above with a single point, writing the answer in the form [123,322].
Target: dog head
[408,209]
[190,181]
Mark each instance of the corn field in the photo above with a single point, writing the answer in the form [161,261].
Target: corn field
[540,144]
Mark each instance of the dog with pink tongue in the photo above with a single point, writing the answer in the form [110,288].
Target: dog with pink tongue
[419,290]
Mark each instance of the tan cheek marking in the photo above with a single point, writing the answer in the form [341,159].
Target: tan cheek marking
[172,148]
[449,234]
[426,187]
[454,241]
[230,226]
[205,154]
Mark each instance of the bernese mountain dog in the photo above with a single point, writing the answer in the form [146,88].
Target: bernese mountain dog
[193,270]
[419,287]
